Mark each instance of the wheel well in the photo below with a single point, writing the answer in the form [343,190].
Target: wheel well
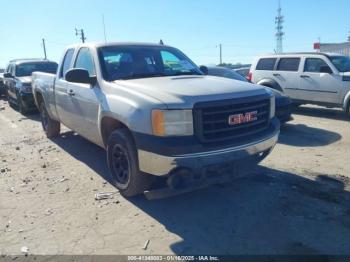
[272,85]
[108,125]
[39,99]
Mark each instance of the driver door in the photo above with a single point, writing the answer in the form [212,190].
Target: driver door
[84,99]
[318,85]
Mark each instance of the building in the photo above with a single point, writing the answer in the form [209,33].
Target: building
[339,48]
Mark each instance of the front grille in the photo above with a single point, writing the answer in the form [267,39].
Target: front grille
[212,119]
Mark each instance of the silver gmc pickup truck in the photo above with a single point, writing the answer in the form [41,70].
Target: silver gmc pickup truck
[156,114]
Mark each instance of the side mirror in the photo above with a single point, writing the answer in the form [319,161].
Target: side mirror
[204,69]
[326,69]
[7,75]
[79,75]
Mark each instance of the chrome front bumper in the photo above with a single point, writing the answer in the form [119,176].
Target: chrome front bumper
[160,165]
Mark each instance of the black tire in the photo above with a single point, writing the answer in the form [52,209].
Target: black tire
[10,101]
[348,109]
[21,107]
[52,128]
[123,165]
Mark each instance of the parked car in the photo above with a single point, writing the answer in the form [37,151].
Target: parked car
[244,71]
[283,103]
[17,80]
[156,114]
[2,86]
[307,78]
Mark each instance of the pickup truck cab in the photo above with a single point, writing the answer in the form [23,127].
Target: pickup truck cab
[307,78]
[155,113]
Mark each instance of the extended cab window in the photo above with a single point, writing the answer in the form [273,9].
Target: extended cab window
[84,60]
[288,64]
[266,64]
[314,65]
[66,62]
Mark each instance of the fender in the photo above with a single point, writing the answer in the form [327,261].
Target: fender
[346,101]
[269,82]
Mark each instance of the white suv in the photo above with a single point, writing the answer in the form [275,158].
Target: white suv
[307,78]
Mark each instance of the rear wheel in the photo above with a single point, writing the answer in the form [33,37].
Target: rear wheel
[348,109]
[51,127]
[123,165]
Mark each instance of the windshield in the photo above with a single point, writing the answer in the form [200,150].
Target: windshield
[26,69]
[130,62]
[342,63]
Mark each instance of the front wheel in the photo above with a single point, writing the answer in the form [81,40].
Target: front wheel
[123,165]
[21,107]
[51,127]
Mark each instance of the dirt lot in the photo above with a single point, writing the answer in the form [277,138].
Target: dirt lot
[297,202]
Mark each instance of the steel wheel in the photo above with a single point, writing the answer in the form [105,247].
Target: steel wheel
[120,166]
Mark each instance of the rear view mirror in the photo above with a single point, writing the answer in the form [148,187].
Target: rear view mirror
[326,69]
[7,75]
[79,75]
[204,69]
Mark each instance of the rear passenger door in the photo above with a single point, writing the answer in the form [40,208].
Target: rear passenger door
[287,75]
[317,86]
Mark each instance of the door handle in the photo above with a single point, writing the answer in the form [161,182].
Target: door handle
[71,92]
[276,74]
[304,76]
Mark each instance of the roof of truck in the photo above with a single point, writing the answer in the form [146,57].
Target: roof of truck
[301,53]
[30,60]
[103,44]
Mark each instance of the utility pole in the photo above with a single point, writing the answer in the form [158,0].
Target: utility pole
[279,20]
[44,47]
[220,52]
[80,33]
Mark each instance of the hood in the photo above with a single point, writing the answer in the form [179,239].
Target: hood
[185,91]
[25,79]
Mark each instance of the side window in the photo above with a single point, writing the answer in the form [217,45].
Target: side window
[84,60]
[66,62]
[314,65]
[13,69]
[288,64]
[266,64]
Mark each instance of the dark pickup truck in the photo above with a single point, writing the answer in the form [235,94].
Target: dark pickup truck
[17,81]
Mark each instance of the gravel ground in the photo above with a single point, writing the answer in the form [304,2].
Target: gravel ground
[296,202]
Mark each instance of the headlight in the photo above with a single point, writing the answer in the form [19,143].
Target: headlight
[272,107]
[172,122]
[26,89]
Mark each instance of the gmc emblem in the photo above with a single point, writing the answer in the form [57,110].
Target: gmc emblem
[242,118]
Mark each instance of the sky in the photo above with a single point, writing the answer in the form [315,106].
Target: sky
[245,28]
